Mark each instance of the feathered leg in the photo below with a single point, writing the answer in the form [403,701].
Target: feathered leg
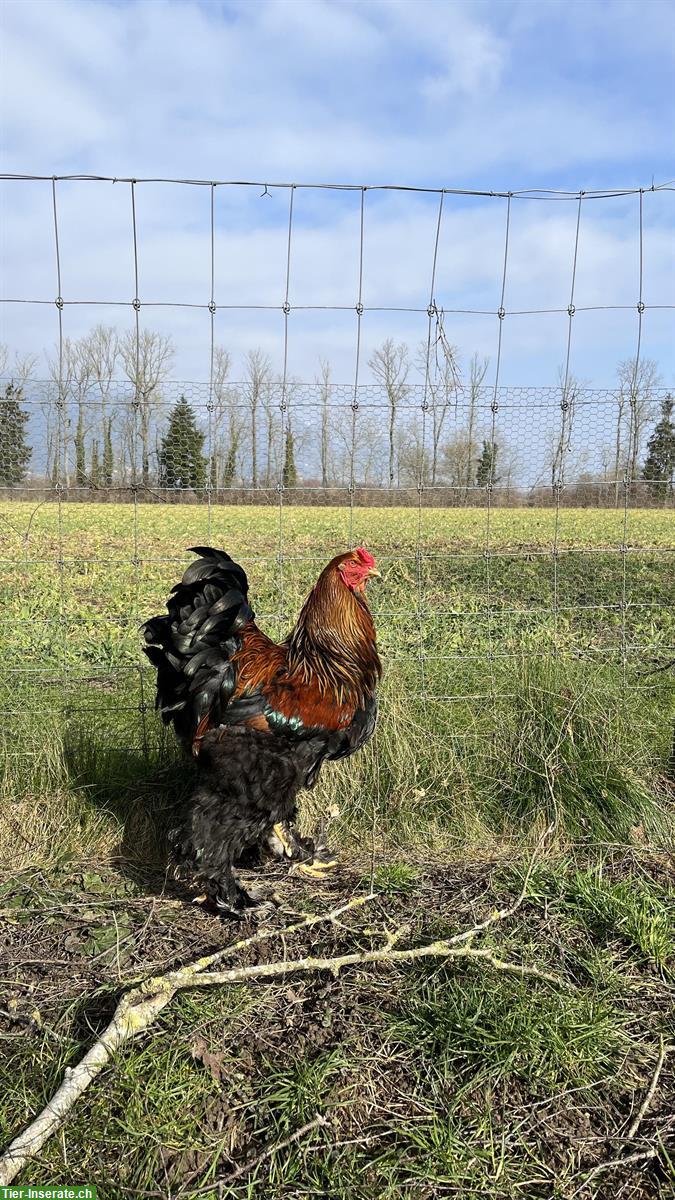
[246,796]
[309,857]
[322,860]
[203,845]
[225,894]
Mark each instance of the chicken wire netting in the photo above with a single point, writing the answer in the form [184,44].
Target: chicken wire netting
[512,521]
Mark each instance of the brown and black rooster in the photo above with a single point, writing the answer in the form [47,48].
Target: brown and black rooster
[261,718]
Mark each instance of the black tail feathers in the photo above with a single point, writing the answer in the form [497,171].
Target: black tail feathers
[192,646]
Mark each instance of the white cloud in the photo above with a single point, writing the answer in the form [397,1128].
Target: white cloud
[389,91]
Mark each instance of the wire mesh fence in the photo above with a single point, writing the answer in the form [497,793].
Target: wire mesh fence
[513,521]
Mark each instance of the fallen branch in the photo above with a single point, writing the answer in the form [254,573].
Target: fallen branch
[263,935]
[184,978]
[136,1011]
[140,1007]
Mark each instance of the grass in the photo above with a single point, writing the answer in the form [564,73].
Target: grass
[479,1032]
[452,1079]
[437,1081]
[633,909]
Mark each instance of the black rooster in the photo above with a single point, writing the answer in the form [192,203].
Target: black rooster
[261,718]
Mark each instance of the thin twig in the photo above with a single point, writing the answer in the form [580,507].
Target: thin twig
[210,960]
[639,1155]
[247,1167]
[655,670]
[649,1095]
[625,1160]
[502,914]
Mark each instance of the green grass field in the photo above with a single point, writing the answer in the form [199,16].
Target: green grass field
[519,696]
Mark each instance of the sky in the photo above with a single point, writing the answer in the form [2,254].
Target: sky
[483,96]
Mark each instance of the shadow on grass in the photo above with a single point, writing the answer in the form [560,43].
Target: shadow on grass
[142,789]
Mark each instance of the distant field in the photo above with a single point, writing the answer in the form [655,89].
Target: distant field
[166,527]
[118,562]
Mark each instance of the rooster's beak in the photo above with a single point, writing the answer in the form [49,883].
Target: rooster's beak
[373,573]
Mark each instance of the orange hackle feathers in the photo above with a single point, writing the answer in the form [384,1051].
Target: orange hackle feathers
[333,642]
[329,665]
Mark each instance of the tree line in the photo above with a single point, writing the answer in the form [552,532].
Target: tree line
[113,425]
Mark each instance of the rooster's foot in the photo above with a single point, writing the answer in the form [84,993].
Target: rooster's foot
[322,863]
[284,842]
[227,900]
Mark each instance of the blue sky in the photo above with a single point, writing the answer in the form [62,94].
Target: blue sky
[479,95]
[502,95]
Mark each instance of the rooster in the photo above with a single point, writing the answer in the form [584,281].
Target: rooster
[259,717]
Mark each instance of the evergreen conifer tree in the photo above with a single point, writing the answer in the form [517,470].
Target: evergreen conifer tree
[660,461]
[182,463]
[487,463]
[107,466]
[289,474]
[15,453]
[95,470]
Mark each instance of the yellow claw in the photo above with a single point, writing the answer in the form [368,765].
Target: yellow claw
[315,870]
[280,833]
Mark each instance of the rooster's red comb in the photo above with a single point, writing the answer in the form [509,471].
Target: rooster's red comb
[366,558]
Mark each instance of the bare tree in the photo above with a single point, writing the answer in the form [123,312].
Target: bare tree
[368,464]
[301,436]
[221,401]
[605,456]
[508,467]
[561,441]
[478,369]
[72,373]
[102,349]
[270,396]
[366,449]
[634,402]
[146,366]
[389,364]
[638,382]
[272,391]
[443,381]
[230,445]
[455,461]
[258,376]
[23,368]
[324,383]
[412,456]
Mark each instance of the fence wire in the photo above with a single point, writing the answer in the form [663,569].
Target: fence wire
[511,523]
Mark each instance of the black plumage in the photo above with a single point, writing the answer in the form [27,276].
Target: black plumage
[248,783]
